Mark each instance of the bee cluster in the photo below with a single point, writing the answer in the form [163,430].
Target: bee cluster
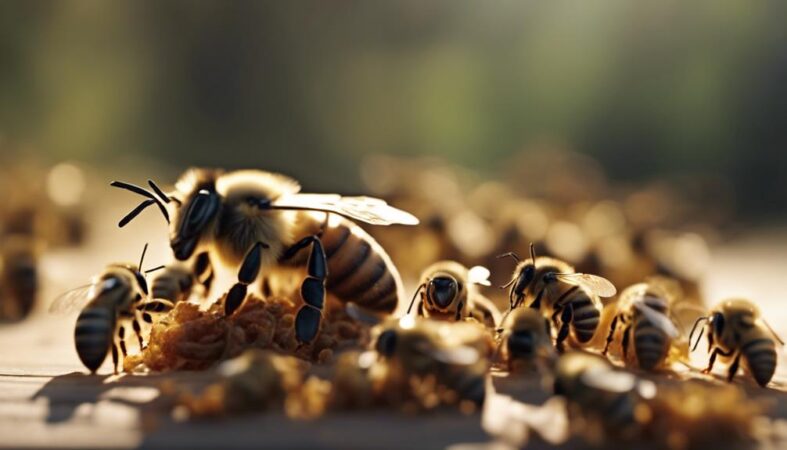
[313,287]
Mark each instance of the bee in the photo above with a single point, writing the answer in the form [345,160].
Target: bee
[734,329]
[119,294]
[449,291]
[18,276]
[452,352]
[525,336]
[258,221]
[600,393]
[568,299]
[644,311]
[174,283]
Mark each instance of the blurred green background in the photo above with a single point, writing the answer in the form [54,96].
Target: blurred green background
[653,90]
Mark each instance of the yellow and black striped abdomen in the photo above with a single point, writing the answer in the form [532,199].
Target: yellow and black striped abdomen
[650,344]
[760,357]
[93,335]
[585,316]
[359,270]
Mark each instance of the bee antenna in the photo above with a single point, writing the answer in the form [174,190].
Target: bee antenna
[155,269]
[509,254]
[694,328]
[773,332]
[158,191]
[421,286]
[533,252]
[142,258]
[507,284]
[140,191]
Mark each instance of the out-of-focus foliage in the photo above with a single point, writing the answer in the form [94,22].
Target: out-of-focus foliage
[663,89]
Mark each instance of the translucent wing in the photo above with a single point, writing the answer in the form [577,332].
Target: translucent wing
[77,298]
[608,380]
[596,284]
[367,209]
[460,355]
[478,275]
[359,314]
[658,319]
[72,300]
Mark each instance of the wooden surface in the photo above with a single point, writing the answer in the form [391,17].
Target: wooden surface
[47,400]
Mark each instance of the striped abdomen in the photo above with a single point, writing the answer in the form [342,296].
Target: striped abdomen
[359,270]
[760,356]
[650,345]
[585,316]
[93,335]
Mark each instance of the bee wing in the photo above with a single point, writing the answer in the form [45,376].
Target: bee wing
[596,284]
[360,315]
[367,209]
[71,300]
[460,355]
[658,319]
[478,275]
[605,379]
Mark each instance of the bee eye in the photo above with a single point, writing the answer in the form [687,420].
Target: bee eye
[442,291]
[525,277]
[718,323]
[143,284]
[386,343]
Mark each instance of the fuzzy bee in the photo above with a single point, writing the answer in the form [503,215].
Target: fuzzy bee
[449,291]
[568,299]
[644,313]
[455,353]
[259,222]
[736,330]
[599,393]
[116,296]
[525,338]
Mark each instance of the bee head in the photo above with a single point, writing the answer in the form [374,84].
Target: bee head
[192,219]
[524,278]
[386,343]
[442,290]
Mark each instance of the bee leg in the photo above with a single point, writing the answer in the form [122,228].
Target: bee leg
[138,331]
[115,357]
[611,334]
[625,342]
[711,361]
[734,367]
[307,321]
[122,340]
[203,271]
[248,272]
[565,318]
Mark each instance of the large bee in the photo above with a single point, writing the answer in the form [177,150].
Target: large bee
[455,353]
[449,291]
[525,337]
[119,294]
[568,299]
[735,329]
[644,312]
[599,393]
[259,222]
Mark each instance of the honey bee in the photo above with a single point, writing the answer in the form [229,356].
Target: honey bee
[601,394]
[174,283]
[644,311]
[525,337]
[452,352]
[568,299]
[119,294]
[258,221]
[449,291]
[18,276]
[734,329]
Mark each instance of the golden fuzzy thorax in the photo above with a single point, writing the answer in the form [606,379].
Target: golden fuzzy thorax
[239,225]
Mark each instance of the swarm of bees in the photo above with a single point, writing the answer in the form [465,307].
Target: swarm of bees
[311,282]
